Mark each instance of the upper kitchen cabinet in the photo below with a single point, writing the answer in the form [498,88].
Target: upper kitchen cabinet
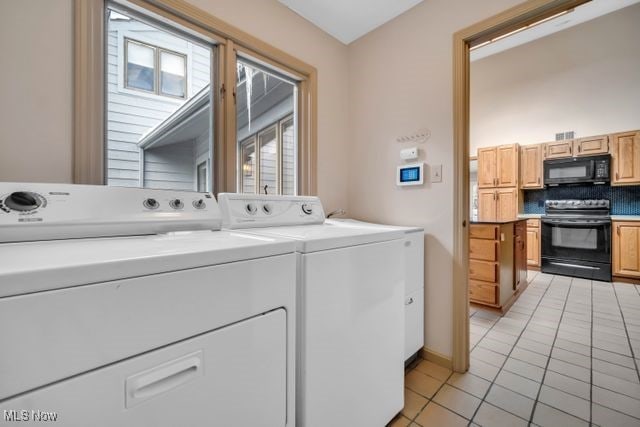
[531,166]
[487,167]
[625,156]
[508,165]
[498,166]
[558,149]
[591,145]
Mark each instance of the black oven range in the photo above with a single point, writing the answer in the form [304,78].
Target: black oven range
[576,238]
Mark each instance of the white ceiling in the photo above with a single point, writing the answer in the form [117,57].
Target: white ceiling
[348,20]
[584,13]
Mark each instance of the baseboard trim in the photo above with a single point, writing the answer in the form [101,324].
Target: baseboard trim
[435,357]
[625,280]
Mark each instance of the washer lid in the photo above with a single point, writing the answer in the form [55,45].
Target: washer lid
[39,266]
[321,237]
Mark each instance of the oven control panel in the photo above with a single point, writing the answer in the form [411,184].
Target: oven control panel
[560,205]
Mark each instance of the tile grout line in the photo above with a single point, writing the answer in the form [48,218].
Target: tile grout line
[626,331]
[507,356]
[544,374]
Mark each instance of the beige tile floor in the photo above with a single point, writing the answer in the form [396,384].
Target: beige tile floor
[566,354]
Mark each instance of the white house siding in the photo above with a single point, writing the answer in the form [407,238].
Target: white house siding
[130,114]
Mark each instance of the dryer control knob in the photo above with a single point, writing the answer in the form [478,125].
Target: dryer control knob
[266,208]
[251,208]
[176,204]
[22,201]
[307,209]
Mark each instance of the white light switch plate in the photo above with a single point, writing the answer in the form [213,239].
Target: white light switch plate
[436,173]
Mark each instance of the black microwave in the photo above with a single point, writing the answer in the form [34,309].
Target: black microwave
[578,170]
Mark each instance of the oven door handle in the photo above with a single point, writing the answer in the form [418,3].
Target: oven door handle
[570,223]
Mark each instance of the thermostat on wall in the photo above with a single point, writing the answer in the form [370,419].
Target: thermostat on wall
[410,174]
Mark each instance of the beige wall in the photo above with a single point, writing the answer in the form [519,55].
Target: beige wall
[36,105]
[584,78]
[400,80]
[36,87]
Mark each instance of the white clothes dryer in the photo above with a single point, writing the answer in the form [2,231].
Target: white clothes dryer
[350,323]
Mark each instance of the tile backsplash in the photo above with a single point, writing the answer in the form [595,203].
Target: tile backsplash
[624,200]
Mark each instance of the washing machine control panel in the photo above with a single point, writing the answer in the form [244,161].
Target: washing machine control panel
[30,211]
[251,210]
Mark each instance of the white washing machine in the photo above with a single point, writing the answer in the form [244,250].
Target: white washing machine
[414,281]
[121,307]
[350,324]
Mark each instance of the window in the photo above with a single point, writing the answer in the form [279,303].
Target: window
[156,141]
[164,108]
[272,168]
[265,112]
[141,70]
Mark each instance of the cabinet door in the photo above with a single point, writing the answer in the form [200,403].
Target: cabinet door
[626,249]
[531,166]
[487,205]
[508,165]
[558,149]
[507,204]
[520,254]
[487,167]
[626,158]
[533,247]
[591,145]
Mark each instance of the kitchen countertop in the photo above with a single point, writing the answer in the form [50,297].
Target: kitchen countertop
[625,217]
[529,216]
[497,222]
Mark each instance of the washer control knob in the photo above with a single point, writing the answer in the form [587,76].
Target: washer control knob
[22,201]
[251,208]
[307,209]
[176,204]
[199,204]
[266,208]
[151,204]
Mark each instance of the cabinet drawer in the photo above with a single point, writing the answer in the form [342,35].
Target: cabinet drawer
[480,231]
[483,292]
[484,250]
[482,270]
[533,223]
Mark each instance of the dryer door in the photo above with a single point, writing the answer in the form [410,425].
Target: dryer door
[234,376]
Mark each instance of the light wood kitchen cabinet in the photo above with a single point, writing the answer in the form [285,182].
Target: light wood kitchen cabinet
[497,263]
[558,149]
[498,204]
[506,204]
[625,158]
[533,242]
[487,167]
[498,166]
[531,166]
[626,248]
[591,146]
[487,204]
[508,156]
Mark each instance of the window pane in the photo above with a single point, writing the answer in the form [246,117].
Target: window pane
[269,162]
[263,101]
[152,140]
[202,177]
[288,157]
[140,66]
[172,74]
[248,167]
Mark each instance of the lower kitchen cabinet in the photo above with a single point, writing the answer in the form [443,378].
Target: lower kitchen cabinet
[533,242]
[626,249]
[497,262]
